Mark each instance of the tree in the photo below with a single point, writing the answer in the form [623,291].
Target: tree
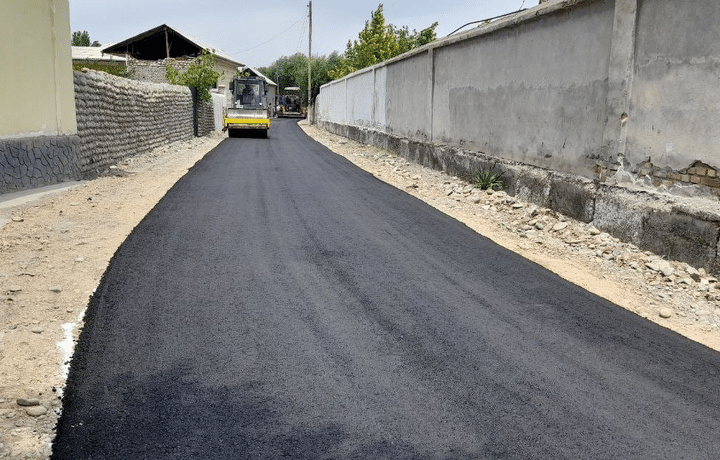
[201,75]
[378,42]
[292,71]
[83,39]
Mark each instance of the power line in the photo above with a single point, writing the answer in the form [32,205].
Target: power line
[486,20]
[268,41]
[302,35]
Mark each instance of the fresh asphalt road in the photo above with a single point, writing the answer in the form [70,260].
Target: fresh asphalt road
[281,303]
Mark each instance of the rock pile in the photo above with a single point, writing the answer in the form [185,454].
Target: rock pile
[695,293]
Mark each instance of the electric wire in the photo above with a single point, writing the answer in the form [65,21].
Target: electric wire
[302,35]
[484,20]
[267,41]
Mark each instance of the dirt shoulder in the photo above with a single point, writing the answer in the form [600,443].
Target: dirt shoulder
[53,252]
[55,248]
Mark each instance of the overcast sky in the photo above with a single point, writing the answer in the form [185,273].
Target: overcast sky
[257,33]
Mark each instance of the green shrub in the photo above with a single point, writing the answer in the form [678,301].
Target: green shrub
[487,178]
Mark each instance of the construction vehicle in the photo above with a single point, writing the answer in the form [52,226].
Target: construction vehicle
[290,103]
[249,109]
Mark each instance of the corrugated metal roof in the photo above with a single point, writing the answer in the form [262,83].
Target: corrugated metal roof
[93,53]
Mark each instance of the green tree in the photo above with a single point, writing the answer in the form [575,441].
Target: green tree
[292,71]
[378,42]
[200,75]
[83,39]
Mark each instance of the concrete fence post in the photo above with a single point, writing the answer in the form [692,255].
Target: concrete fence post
[431,105]
[373,116]
[620,77]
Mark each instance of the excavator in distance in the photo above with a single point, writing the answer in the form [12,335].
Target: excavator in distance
[290,103]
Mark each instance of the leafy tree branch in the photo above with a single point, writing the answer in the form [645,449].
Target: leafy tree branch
[201,75]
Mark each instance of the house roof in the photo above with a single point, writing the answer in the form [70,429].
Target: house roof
[260,74]
[93,53]
[152,45]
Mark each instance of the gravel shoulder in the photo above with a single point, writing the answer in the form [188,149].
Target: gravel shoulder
[55,248]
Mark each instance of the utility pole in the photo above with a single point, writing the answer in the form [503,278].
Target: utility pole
[310,57]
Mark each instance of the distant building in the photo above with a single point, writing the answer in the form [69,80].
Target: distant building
[149,52]
[93,57]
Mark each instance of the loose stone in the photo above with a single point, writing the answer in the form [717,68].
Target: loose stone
[36,411]
[28,402]
[666,313]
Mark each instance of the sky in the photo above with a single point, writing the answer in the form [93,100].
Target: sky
[256,33]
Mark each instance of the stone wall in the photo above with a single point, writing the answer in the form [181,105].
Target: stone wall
[33,162]
[206,118]
[118,118]
[154,71]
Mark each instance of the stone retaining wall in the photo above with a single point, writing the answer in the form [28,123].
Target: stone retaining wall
[118,118]
[38,161]
[154,71]
[206,118]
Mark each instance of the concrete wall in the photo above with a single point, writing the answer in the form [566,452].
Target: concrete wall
[219,101]
[37,115]
[604,110]
[588,87]
[118,118]
[675,100]
[534,93]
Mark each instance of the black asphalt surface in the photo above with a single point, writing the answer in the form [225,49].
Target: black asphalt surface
[281,303]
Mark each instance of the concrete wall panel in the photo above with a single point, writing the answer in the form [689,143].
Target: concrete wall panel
[675,103]
[534,94]
[408,97]
[331,102]
[360,92]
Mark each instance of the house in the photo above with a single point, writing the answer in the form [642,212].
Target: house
[94,58]
[149,52]
[39,144]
